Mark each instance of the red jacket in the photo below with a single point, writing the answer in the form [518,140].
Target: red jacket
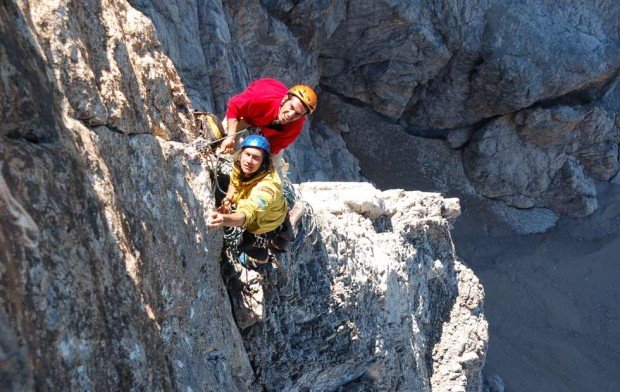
[258,105]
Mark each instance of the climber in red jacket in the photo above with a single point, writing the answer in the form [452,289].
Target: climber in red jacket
[278,112]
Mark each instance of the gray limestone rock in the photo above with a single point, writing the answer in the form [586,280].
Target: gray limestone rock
[387,148]
[598,144]
[457,138]
[600,161]
[523,159]
[340,311]
[525,221]
[444,65]
[111,279]
[199,40]
[311,22]
[26,94]
[15,372]
[540,50]
[381,52]
[547,127]
[103,218]
[449,68]
[502,165]
[571,191]
[108,66]
[320,154]
[588,134]
[389,155]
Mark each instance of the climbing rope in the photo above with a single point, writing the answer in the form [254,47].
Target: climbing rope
[221,164]
[306,224]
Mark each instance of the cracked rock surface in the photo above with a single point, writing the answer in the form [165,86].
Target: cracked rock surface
[380,299]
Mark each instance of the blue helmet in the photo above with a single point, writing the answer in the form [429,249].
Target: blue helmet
[256,141]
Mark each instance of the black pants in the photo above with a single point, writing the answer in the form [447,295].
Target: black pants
[258,245]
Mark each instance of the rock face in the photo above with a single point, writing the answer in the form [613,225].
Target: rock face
[545,158]
[443,70]
[445,65]
[101,292]
[108,271]
[379,300]
[111,280]
[396,78]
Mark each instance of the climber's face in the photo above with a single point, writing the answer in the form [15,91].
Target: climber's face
[291,109]
[250,160]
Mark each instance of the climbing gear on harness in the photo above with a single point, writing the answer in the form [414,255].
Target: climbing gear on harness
[220,165]
[307,96]
[257,141]
[231,236]
[252,262]
[210,132]
[205,146]
[209,126]
[260,242]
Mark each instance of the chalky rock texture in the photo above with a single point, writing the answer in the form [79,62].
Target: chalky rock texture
[198,39]
[110,276]
[108,273]
[445,64]
[422,72]
[530,84]
[379,300]
[441,70]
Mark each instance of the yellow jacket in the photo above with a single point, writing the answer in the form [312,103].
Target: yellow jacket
[260,199]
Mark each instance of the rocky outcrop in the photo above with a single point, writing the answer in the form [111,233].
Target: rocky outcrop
[439,65]
[109,272]
[545,158]
[379,299]
[444,70]
[108,66]
[445,65]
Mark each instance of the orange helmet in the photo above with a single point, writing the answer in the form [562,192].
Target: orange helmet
[306,94]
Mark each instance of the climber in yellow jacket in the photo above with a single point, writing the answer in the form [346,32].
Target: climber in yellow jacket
[256,190]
